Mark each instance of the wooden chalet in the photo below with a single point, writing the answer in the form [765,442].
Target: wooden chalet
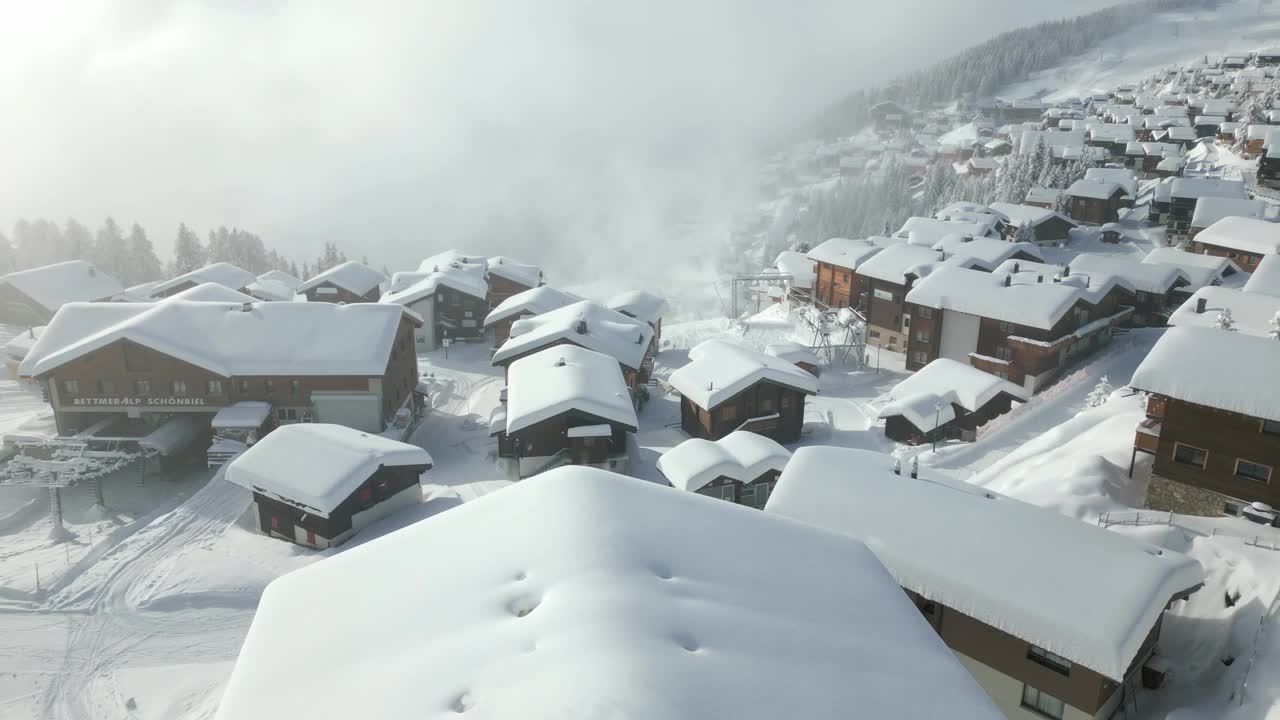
[350,282]
[31,297]
[450,292]
[508,277]
[587,325]
[643,306]
[836,261]
[1185,194]
[728,387]
[1245,241]
[317,485]
[220,273]
[742,467]
[1094,202]
[946,400]
[523,305]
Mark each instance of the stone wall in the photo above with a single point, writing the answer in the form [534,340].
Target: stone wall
[1169,495]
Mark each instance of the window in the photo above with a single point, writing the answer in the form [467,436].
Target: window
[214,387]
[269,386]
[768,403]
[920,357]
[1271,427]
[1253,471]
[106,388]
[925,313]
[288,414]
[275,522]
[293,388]
[136,358]
[71,387]
[724,492]
[243,387]
[874,334]
[729,412]
[142,388]
[762,495]
[1043,703]
[1188,455]
[1050,660]
[1006,327]
[1004,353]
[906,321]
[178,388]
[1002,374]
[922,336]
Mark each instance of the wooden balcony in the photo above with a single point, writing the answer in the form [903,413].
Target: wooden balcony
[1147,438]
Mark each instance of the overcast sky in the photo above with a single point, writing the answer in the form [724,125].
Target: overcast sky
[552,129]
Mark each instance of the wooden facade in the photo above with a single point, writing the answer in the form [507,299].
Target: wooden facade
[1247,261]
[1096,211]
[550,439]
[290,522]
[899,429]
[834,286]
[765,408]
[17,308]
[329,292]
[501,288]
[751,494]
[459,314]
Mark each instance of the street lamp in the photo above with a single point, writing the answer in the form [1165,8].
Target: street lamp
[937,412]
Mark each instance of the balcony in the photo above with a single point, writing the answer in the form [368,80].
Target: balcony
[1147,438]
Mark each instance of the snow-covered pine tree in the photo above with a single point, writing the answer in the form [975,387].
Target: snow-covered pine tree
[110,251]
[142,263]
[1224,320]
[1100,393]
[188,254]
[1273,333]
[1024,233]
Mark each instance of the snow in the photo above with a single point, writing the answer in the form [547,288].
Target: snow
[984,251]
[269,289]
[1265,280]
[209,292]
[606,331]
[1230,371]
[465,277]
[280,277]
[949,382]
[1244,234]
[792,352]
[895,262]
[564,605]
[17,347]
[316,466]
[719,370]
[244,414]
[1205,187]
[53,286]
[1145,277]
[222,273]
[354,277]
[269,338]
[639,304]
[524,274]
[1210,210]
[1251,312]
[437,262]
[1121,176]
[1095,189]
[845,253]
[1076,590]
[534,301]
[931,231]
[584,431]
[1033,304]
[174,435]
[1202,270]
[742,456]
[799,266]
[1023,214]
[566,378]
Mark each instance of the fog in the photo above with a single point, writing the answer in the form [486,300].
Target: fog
[572,133]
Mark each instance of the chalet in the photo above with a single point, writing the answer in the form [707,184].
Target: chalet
[835,262]
[1155,285]
[593,587]
[221,273]
[1255,137]
[930,231]
[799,355]
[1185,195]
[1112,233]
[32,297]
[274,285]
[997,148]
[1145,157]
[985,221]
[741,467]
[1027,110]
[588,325]
[1243,240]
[1269,56]
[139,365]
[1095,202]
[1043,197]
[1207,126]
[539,300]
[507,277]
[1054,617]
[1210,210]
[728,387]
[451,296]
[643,306]
[1047,226]
[1169,167]
[1269,165]
[350,282]
[1200,269]
[565,406]
[1186,137]
[1265,279]
[1113,137]
[979,166]
[1234,62]
[889,115]
[1020,326]
[946,400]
[317,484]
[1123,177]
[1213,421]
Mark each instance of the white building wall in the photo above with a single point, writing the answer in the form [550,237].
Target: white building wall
[425,336]
[959,335]
[1007,692]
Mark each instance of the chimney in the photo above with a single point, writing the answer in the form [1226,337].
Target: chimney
[1057,278]
[582,327]
[1008,280]
[915,467]
[1066,270]
[897,466]
[1200,305]
[639,338]
[246,307]
[1017,267]
[560,362]
[942,255]
[1040,278]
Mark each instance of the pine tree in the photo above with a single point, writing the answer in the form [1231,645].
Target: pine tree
[8,262]
[110,251]
[1025,233]
[1274,332]
[293,269]
[77,239]
[188,255]
[143,265]
[1100,393]
[1224,320]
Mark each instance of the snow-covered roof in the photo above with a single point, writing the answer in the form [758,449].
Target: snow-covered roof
[1232,371]
[1123,177]
[265,338]
[1251,235]
[354,277]
[19,345]
[1095,189]
[1112,133]
[964,209]
[984,251]
[53,286]
[280,277]
[1044,195]
[1251,313]
[929,231]
[1021,214]
[1265,280]
[792,352]
[529,276]
[222,273]
[1077,590]
[138,293]
[801,268]
[845,253]
[1203,187]
[210,292]
[1146,277]
[1170,164]
[718,370]
[583,593]
[315,466]
[409,287]
[639,304]
[1022,302]
[1201,269]
[564,378]
[945,381]
[740,455]
[1210,210]
[244,414]
[436,262]
[271,290]
[534,301]
[896,261]
[583,323]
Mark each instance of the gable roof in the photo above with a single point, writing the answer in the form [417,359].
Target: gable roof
[929,231]
[1079,591]
[354,277]
[265,338]
[564,378]
[583,592]
[984,251]
[1123,177]
[465,277]
[524,274]
[1095,189]
[1019,214]
[1265,280]
[223,273]
[1251,235]
[1252,313]
[1210,210]
[846,253]
[281,277]
[1032,304]
[1202,187]
[315,466]
[52,286]
[1147,277]
[639,304]
[606,331]
[1202,269]
[534,301]
[1232,371]
[949,382]
[718,370]
[801,268]
[742,456]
